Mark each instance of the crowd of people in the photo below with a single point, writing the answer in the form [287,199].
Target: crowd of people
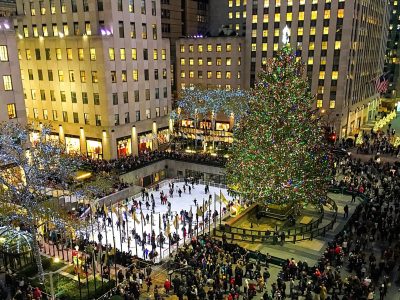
[132,162]
[379,142]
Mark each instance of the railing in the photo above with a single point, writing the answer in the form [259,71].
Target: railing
[305,232]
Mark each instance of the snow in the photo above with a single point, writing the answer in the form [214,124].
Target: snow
[185,202]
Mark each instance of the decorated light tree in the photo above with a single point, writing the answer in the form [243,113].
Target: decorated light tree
[279,155]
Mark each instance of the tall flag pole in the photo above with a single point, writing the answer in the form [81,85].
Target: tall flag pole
[135,220]
[160,233]
[113,234]
[220,209]
[120,219]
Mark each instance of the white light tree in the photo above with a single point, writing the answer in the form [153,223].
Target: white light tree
[26,169]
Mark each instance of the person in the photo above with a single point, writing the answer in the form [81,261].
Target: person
[346,211]
[37,294]
[18,295]
[167,286]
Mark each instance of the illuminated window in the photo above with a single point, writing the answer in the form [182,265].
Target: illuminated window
[310,60]
[230,15]
[323,60]
[182,48]
[289,16]
[230,3]
[111,53]
[311,46]
[340,13]
[134,54]
[228,61]
[219,48]
[277,17]
[254,47]
[183,74]
[200,61]
[155,54]
[327,14]
[93,54]
[229,47]
[301,16]
[238,75]
[312,31]
[254,19]
[326,30]
[209,74]
[319,103]
[135,75]
[337,45]
[237,2]
[69,54]
[191,74]
[228,75]
[322,75]
[276,32]
[276,46]
[209,61]
[218,74]
[266,3]
[300,31]
[254,33]
[334,75]
[314,15]
[324,45]
[200,48]
[191,61]
[182,61]
[3,53]
[7,83]
[264,47]
[191,48]
[265,33]
[332,104]
[219,61]
[238,15]
[244,14]
[58,54]
[209,48]
[11,111]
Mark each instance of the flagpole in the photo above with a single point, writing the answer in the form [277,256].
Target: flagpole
[159,225]
[128,236]
[120,220]
[220,209]
[134,227]
[105,229]
[93,263]
[215,209]
[114,246]
[100,254]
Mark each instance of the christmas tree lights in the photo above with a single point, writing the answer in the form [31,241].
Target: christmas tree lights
[279,154]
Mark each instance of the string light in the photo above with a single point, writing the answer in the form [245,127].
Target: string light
[279,154]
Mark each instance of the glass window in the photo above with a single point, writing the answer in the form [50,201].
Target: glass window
[7,83]
[11,111]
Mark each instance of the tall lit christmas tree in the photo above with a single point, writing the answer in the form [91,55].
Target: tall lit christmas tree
[279,155]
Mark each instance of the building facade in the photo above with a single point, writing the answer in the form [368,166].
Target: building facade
[393,51]
[12,106]
[98,72]
[211,63]
[342,44]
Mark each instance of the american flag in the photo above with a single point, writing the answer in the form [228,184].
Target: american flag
[381,84]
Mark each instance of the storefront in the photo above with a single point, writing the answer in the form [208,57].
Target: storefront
[94,148]
[145,141]
[72,144]
[222,126]
[153,178]
[124,146]
[188,123]
[163,136]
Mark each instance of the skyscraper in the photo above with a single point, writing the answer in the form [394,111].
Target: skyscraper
[97,71]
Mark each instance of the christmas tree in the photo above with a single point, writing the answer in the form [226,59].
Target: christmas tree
[279,154]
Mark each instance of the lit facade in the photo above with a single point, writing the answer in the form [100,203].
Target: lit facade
[211,63]
[12,106]
[342,44]
[98,72]
[393,51]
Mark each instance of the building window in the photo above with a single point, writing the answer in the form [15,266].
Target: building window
[35,113]
[85,99]
[98,120]
[63,96]
[69,54]
[209,48]
[123,76]
[96,99]
[154,28]
[157,111]
[115,98]
[147,94]
[81,55]
[319,103]
[155,54]
[137,113]
[42,95]
[127,118]
[71,76]
[11,111]
[135,75]
[94,77]
[65,116]
[58,54]
[121,29]
[3,53]
[92,54]
[75,117]
[122,53]
[83,76]
[50,75]
[73,97]
[7,83]
[332,104]
[55,115]
[116,119]
[113,77]
[136,96]
[143,7]
[45,114]
[60,76]
[125,97]
[148,114]
[86,118]
[28,54]
[144,31]
[134,54]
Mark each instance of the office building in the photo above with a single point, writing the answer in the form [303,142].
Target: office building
[98,72]
[392,69]
[341,42]
[12,106]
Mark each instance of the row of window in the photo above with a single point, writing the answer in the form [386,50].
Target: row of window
[71,6]
[209,47]
[86,117]
[96,97]
[3,53]
[83,76]
[218,74]
[226,87]
[218,61]
[59,54]
[88,30]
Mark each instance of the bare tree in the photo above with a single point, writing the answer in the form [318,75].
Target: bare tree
[27,169]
